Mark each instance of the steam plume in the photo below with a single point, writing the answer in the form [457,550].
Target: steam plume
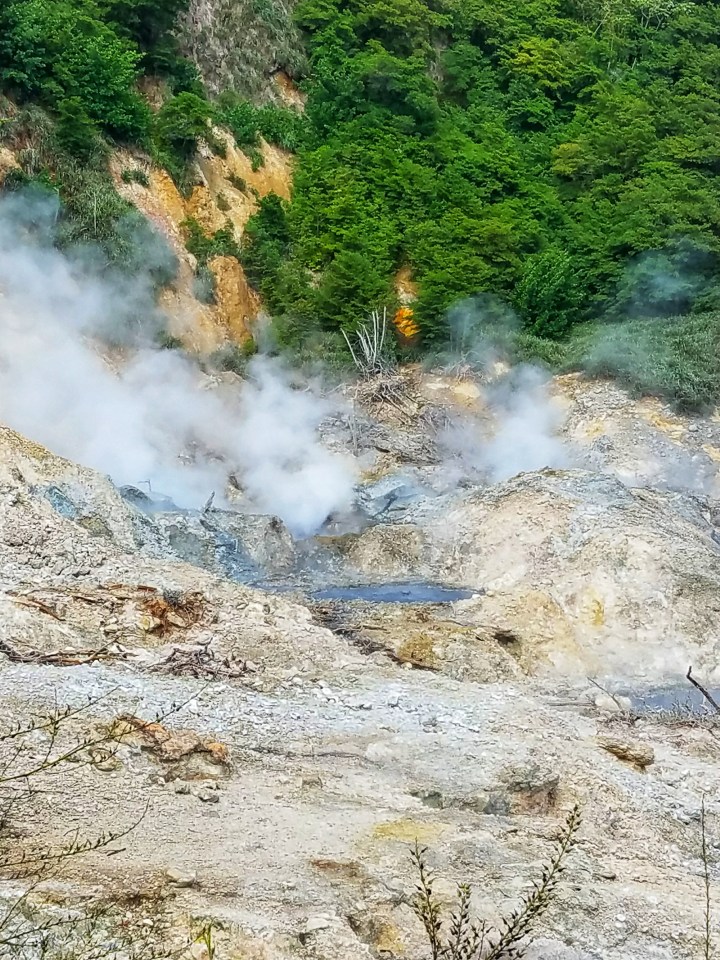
[150,415]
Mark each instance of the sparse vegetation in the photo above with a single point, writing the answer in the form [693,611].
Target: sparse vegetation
[461,937]
[136,175]
[34,755]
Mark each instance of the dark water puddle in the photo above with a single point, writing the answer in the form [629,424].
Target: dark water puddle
[673,699]
[394,593]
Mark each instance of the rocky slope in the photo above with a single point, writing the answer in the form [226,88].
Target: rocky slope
[317,740]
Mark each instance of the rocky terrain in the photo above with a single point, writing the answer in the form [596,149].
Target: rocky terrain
[308,736]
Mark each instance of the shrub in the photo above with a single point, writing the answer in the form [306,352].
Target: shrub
[34,755]
[222,243]
[247,123]
[183,121]
[238,182]
[233,357]
[204,284]
[550,294]
[75,132]
[462,938]
[166,341]
[135,175]
[240,117]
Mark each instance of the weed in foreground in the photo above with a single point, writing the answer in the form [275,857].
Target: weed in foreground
[462,937]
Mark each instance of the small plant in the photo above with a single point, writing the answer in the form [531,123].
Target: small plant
[207,940]
[238,182]
[463,938]
[223,204]
[256,159]
[707,936]
[135,175]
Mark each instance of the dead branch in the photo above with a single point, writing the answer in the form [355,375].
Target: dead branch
[698,686]
[37,605]
[200,661]
[614,699]
[58,658]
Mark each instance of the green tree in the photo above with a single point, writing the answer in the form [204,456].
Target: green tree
[75,132]
[550,294]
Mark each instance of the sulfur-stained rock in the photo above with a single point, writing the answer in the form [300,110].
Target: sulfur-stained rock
[639,754]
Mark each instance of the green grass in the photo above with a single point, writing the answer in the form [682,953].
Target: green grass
[677,359]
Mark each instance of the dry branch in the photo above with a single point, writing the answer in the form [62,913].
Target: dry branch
[698,686]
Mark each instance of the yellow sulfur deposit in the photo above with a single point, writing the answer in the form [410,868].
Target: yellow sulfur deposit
[405,323]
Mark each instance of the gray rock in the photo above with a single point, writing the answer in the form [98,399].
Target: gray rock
[181,878]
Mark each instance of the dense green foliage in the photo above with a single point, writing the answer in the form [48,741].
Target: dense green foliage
[74,66]
[52,50]
[534,150]
[554,164]
[248,123]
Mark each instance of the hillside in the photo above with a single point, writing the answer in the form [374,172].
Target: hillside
[531,170]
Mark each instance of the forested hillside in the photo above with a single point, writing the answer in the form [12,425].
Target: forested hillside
[556,157]
[526,149]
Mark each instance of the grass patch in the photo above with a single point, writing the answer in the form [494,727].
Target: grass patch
[677,359]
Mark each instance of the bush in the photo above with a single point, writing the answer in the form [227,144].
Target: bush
[240,117]
[222,243]
[550,294]
[204,285]
[463,938]
[238,182]
[166,341]
[75,132]
[35,753]
[233,357]
[60,51]
[247,123]
[135,175]
[182,122]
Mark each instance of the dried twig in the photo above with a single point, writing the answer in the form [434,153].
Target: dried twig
[707,941]
[698,686]
[615,700]
[58,658]
[200,661]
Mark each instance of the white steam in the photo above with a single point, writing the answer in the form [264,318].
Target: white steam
[520,434]
[521,429]
[526,436]
[150,417]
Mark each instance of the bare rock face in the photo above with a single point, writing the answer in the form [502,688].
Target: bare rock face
[575,571]
[399,724]
[237,46]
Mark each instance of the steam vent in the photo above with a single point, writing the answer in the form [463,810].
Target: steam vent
[359,480]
